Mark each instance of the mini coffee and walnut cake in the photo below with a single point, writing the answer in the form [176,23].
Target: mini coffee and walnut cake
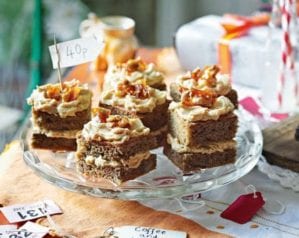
[139,100]
[209,78]
[115,147]
[132,71]
[57,115]
[202,127]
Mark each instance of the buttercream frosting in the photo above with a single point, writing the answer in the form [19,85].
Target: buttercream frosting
[131,102]
[69,134]
[221,106]
[132,162]
[207,149]
[73,98]
[222,84]
[116,129]
[120,72]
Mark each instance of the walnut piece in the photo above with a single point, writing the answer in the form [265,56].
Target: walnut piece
[195,97]
[119,121]
[101,112]
[53,92]
[135,65]
[139,90]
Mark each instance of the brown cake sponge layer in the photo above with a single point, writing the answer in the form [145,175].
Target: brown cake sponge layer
[117,174]
[153,120]
[191,162]
[41,141]
[233,97]
[49,121]
[160,135]
[202,132]
[176,95]
[115,151]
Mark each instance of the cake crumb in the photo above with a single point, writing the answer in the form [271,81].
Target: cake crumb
[253,226]
[210,212]
[220,227]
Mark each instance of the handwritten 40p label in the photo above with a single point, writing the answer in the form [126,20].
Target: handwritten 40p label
[147,232]
[26,212]
[76,52]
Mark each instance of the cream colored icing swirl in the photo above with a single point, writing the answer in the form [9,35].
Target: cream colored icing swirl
[129,102]
[132,162]
[97,130]
[221,106]
[223,85]
[117,74]
[39,101]
[69,134]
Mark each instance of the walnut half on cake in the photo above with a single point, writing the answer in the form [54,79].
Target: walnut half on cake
[58,114]
[115,147]
[202,127]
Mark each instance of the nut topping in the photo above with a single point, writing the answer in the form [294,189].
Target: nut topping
[101,112]
[208,74]
[53,93]
[195,97]
[68,93]
[135,65]
[139,90]
[119,121]
[196,74]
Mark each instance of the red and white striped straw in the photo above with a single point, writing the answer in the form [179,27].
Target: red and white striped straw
[287,56]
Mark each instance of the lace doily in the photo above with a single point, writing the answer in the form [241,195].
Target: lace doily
[285,177]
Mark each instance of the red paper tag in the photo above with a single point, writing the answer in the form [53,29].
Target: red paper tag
[244,208]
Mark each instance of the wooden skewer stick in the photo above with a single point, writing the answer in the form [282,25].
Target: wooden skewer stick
[58,64]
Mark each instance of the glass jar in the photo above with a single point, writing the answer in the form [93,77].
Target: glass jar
[118,34]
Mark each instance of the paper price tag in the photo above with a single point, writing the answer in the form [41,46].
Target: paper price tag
[147,232]
[26,212]
[6,230]
[29,230]
[36,230]
[76,52]
[244,208]
[20,234]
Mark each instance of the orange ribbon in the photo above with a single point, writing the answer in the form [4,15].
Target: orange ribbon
[236,26]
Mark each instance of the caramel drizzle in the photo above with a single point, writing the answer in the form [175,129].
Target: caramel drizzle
[67,93]
[101,112]
[139,90]
[115,120]
[133,65]
[208,74]
[196,97]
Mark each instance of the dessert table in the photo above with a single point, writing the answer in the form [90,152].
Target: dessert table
[85,216]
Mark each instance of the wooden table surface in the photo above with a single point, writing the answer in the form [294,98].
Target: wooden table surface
[83,216]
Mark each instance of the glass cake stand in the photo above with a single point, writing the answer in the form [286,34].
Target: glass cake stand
[166,181]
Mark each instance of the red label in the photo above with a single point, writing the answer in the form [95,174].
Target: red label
[244,208]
